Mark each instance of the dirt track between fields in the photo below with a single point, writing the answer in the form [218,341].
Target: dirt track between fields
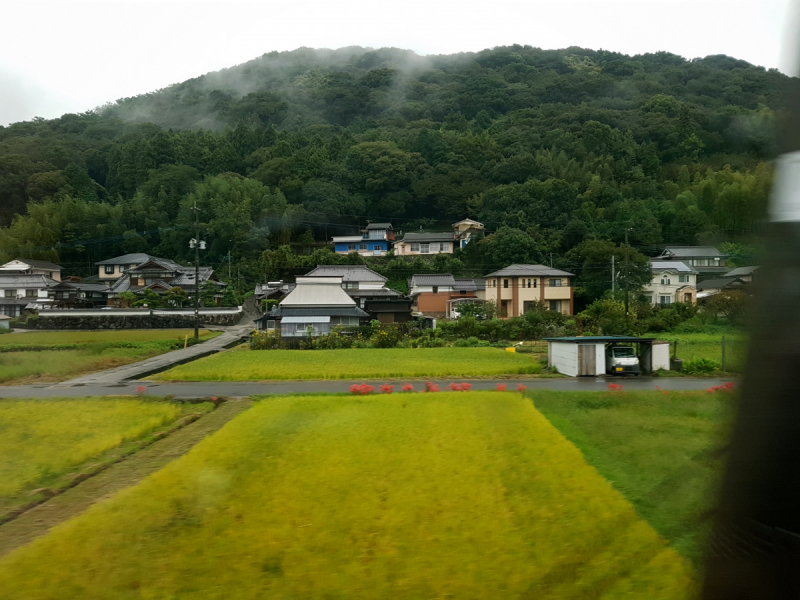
[40,519]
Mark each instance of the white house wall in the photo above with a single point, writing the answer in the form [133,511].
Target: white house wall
[564,357]
[600,359]
[660,356]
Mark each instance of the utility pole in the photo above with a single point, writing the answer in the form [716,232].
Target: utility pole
[195,243]
[613,275]
[229,264]
[627,251]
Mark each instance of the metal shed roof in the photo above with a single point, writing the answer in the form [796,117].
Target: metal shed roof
[597,339]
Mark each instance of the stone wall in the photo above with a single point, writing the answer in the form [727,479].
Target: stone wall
[131,321]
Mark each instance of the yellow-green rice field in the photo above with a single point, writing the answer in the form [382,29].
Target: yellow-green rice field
[354,364]
[463,495]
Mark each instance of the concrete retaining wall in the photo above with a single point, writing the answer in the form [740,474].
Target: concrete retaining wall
[148,320]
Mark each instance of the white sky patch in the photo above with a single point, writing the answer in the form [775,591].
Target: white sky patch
[66,56]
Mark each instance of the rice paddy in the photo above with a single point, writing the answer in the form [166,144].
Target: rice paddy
[354,364]
[454,494]
[41,440]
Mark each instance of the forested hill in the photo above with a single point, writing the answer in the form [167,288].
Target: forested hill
[547,148]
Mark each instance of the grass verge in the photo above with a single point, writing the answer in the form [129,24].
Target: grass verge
[395,496]
[692,346]
[353,364]
[61,338]
[659,449]
[49,445]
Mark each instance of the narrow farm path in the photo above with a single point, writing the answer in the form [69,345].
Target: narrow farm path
[39,520]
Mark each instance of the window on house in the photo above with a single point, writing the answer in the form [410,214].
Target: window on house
[122,268]
[351,246]
[425,248]
[665,299]
[505,283]
[109,269]
[444,247]
[350,285]
[436,289]
[555,283]
[534,283]
[463,292]
[376,247]
[271,324]
[30,293]
[529,283]
[555,305]
[527,306]
[362,246]
[415,247]
[10,293]
[683,278]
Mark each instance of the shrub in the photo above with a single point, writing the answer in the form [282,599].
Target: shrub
[700,366]
[461,343]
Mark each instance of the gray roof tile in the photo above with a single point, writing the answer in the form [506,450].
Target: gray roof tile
[530,271]
[347,273]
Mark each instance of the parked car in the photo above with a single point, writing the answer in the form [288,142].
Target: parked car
[621,360]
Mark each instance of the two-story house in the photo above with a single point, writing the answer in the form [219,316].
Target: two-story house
[438,243]
[516,288]
[28,266]
[707,261]
[139,272]
[673,281]
[439,294]
[369,291]
[21,292]
[315,306]
[375,240]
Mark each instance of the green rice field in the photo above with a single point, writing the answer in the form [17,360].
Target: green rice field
[457,494]
[353,364]
[692,346]
[59,338]
[660,450]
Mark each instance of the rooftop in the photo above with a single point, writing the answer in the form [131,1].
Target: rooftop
[741,271]
[347,238]
[428,237]
[36,264]
[601,338]
[720,283]
[529,271]
[670,265]
[317,291]
[347,273]
[692,251]
[379,226]
[136,258]
[14,280]
[432,279]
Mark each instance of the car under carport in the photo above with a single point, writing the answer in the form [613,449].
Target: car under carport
[586,356]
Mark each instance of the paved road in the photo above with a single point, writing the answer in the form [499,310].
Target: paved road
[162,362]
[247,388]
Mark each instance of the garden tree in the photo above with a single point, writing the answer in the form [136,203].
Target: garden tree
[150,299]
[127,299]
[606,316]
[591,261]
[175,297]
[506,246]
[729,304]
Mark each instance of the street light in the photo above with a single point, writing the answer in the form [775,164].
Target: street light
[197,244]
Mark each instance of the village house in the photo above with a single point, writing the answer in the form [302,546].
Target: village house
[746,274]
[314,307]
[139,272]
[414,244]
[369,291]
[673,281]
[517,288]
[377,239]
[23,292]
[74,293]
[707,261]
[709,287]
[438,295]
[27,266]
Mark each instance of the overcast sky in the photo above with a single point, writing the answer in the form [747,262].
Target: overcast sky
[63,56]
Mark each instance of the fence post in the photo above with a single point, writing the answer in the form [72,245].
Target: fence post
[723,353]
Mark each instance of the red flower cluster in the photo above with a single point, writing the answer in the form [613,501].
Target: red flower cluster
[140,389]
[408,388]
[501,387]
[386,388]
[431,387]
[725,387]
[614,387]
[521,388]
[460,387]
[361,389]
[658,387]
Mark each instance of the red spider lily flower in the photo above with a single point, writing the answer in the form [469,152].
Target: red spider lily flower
[387,389]
[614,387]
[354,388]
[431,387]
[408,388]
[140,389]
[521,388]
[361,389]
[465,387]
[456,387]
[501,387]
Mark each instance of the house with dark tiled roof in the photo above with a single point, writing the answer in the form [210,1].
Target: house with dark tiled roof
[21,292]
[29,266]
[673,281]
[517,288]
[369,291]
[707,261]
[438,295]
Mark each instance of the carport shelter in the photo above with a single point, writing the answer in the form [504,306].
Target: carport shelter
[586,356]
